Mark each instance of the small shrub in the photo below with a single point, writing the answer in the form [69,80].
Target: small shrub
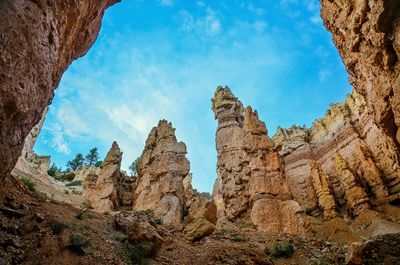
[82,215]
[267,251]
[58,227]
[66,192]
[77,244]
[121,238]
[283,251]
[159,221]
[74,183]
[138,254]
[29,184]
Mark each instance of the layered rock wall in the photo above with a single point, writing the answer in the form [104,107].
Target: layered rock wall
[345,156]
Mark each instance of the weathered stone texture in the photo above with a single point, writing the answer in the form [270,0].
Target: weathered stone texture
[366,34]
[101,191]
[163,166]
[248,166]
[38,40]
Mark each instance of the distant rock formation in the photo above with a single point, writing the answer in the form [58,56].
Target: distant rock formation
[101,191]
[163,166]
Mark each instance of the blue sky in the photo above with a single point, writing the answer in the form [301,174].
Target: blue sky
[163,59]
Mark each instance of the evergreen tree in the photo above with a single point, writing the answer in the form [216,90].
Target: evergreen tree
[133,168]
[92,158]
[76,163]
[53,170]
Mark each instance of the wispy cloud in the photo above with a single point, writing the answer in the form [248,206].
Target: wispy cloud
[169,69]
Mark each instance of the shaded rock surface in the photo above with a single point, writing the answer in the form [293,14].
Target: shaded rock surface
[140,229]
[201,218]
[39,39]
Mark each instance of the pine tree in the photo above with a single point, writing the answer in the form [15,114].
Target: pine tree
[92,158]
[76,163]
[133,168]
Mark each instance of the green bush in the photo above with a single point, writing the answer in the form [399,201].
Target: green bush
[121,238]
[77,244]
[159,221]
[74,183]
[267,251]
[82,215]
[283,251]
[58,227]
[138,254]
[29,184]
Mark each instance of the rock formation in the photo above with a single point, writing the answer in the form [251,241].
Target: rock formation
[249,168]
[30,164]
[367,36]
[201,212]
[140,229]
[162,168]
[343,166]
[350,157]
[101,191]
[38,40]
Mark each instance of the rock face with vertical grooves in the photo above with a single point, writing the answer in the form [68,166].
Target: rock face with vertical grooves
[38,40]
[163,166]
[367,36]
[251,183]
[344,166]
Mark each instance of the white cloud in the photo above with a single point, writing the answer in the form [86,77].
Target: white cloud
[58,142]
[208,25]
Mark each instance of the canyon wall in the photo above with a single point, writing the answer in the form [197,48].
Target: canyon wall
[345,162]
[344,166]
[367,36]
[38,40]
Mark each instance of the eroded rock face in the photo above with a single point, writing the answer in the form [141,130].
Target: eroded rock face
[367,35]
[350,157]
[248,167]
[162,168]
[140,229]
[201,211]
[101,191]
[38,40]
[278,216]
